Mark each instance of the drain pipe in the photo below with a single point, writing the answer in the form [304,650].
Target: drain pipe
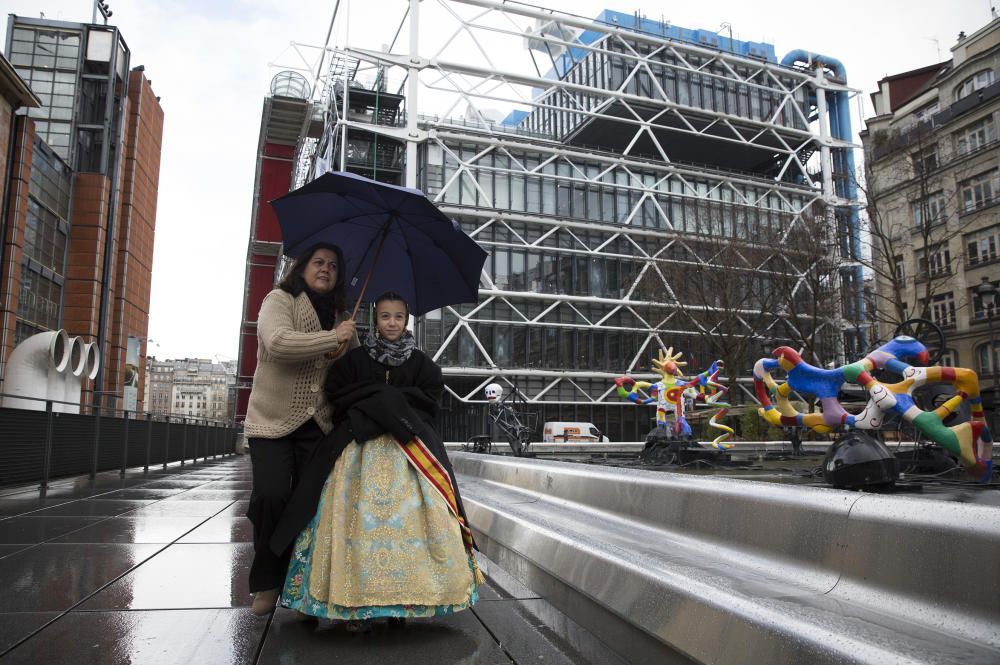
[840,128]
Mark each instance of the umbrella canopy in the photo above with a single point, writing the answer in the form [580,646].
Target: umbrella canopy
[394,239]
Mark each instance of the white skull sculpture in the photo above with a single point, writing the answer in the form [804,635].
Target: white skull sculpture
[493,392]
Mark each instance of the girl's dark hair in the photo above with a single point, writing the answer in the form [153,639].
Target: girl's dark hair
[392,296]
[294,283]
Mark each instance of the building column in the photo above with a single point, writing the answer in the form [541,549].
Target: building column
[84,279]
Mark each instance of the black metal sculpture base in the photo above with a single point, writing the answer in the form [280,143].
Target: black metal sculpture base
[664,447]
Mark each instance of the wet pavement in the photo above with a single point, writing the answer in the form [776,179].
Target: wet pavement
[151,568]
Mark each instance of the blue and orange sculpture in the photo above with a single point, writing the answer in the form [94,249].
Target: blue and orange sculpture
[669,394]
[971,442]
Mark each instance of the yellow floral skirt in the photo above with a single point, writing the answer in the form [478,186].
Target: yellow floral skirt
[383,543]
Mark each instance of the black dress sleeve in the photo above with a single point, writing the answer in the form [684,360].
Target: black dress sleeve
[430,379]
[341,373]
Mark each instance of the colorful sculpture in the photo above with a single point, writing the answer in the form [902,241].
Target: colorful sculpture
[669,395]
[971,442]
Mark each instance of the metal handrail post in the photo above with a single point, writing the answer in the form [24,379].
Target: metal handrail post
[47,455]
[149,440]
[166,446]
[124,445]
[97,438]
[184,439]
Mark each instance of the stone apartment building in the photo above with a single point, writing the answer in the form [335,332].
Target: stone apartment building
[191,387]
[934,195]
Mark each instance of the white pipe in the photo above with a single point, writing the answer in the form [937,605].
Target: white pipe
[93,361]
[57,374]
[91,365]
[73,376]
[413,87]
[28,369]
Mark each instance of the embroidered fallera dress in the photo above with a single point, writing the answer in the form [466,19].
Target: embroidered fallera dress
[383,542]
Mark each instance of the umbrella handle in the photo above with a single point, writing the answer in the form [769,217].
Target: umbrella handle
[378,250]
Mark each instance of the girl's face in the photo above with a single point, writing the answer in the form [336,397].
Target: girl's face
[320,274]
[390,319]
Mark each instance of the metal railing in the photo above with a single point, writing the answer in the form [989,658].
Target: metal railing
[37,444]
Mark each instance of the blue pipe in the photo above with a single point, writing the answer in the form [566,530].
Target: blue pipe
[840,128]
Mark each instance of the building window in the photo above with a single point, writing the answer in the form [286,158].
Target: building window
[928,111]
[979,311]
[987,364]
[926,160]
[949,358]
[976,136]
[935,262]
[977,81]
[935,207]
[900,272]
[38,300]
[982,245]
[980,190]
[942,309]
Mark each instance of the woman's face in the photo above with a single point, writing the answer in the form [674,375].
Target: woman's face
[321,271]
[390,319]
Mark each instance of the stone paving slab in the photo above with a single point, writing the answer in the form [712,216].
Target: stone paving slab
[55,577]
[133,529]
[165,637]
[223,528]
[454,639]
[208,575]
[33,528]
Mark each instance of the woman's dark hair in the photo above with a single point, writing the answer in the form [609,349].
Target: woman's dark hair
[294,283]
[392,296]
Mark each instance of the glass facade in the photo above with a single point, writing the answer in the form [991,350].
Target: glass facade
[592,265]
[48,59]
[79,74]
[696,81]
[46,235]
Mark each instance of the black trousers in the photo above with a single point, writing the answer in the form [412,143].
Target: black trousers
[277,466]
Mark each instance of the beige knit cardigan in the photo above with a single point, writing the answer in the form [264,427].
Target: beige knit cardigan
[291,365]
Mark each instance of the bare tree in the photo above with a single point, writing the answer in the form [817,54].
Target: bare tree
[730,296]
[809,288]
[910,213]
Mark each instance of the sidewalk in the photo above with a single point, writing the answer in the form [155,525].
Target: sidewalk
[151,568]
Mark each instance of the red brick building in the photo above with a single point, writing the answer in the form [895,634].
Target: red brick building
[77,250]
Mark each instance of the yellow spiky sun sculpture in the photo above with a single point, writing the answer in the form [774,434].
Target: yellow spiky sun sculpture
[669,363]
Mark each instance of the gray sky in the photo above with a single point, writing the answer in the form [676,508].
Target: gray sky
[209,62]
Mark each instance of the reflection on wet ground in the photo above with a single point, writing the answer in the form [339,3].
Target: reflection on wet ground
[152,568]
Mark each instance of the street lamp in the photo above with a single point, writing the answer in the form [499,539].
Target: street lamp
[987,293]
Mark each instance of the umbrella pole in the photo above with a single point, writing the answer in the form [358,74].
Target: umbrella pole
[378,250]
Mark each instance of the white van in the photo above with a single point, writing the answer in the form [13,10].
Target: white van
[564,432]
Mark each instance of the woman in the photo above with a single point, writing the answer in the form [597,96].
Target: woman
[301,329]
[389,537]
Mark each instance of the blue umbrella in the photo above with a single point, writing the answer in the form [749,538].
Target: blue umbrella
[394,239]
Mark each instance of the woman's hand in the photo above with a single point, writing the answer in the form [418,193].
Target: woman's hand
[345,331]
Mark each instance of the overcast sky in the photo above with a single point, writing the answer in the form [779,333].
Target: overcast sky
[211,62]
